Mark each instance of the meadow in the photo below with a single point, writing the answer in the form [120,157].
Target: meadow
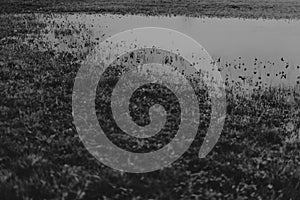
[213,8]
[42,157]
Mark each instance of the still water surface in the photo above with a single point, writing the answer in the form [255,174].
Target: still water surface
[264,51]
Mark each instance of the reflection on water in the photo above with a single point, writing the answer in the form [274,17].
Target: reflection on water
[252,52]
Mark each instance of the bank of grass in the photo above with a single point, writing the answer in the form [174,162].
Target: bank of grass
[288,9]
[41,156]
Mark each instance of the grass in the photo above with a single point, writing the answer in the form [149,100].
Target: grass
[41,156]
[288,9]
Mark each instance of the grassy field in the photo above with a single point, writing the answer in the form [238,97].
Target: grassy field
[41,156]
[213,8]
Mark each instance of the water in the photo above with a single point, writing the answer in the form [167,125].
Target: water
[266,52]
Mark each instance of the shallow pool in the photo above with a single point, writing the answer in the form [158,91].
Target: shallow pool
[262,51]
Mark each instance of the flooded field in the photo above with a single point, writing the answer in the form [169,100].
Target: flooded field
[42,157]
